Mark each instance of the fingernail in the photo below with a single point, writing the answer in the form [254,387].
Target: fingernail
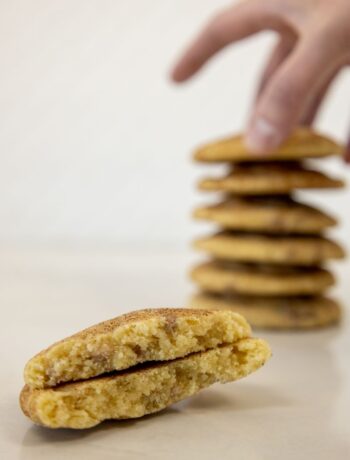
[262,137]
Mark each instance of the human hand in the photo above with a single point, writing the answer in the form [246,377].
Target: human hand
[314,45]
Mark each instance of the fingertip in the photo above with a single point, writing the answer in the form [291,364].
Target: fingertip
[253,147]
[175,78]
[262,137]
[182,71]
[176,75]
[172,77]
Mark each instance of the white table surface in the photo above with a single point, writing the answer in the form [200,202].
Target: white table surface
[296,407]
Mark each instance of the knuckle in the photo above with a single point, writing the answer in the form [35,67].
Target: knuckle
[333,39]
[342,40]
[287,94]
[338,29]
[215,29]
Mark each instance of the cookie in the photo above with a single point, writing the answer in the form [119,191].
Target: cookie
[276,312]
[303,143]
[274,249]
[269,179]
[142,390]
[270,280]
[131,339]
[272,215]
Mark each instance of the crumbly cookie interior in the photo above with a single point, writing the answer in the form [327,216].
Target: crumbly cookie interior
[134,393]
[121,345]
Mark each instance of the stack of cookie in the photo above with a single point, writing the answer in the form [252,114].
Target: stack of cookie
[268,260]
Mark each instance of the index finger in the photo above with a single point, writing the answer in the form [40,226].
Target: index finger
[231,25]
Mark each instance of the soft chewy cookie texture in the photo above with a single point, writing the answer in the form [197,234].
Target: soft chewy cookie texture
[134,393]
[130,339]
[137,364]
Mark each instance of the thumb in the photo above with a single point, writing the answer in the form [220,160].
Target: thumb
[287,95]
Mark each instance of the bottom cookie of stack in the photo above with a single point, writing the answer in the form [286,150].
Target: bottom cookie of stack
[303,312]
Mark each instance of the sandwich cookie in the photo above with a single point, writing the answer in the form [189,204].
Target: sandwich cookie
[137,364]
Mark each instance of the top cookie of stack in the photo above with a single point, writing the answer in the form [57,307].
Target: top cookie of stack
[266,232]
[304,143]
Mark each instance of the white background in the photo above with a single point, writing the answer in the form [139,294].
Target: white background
[95,148]
[95,141]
